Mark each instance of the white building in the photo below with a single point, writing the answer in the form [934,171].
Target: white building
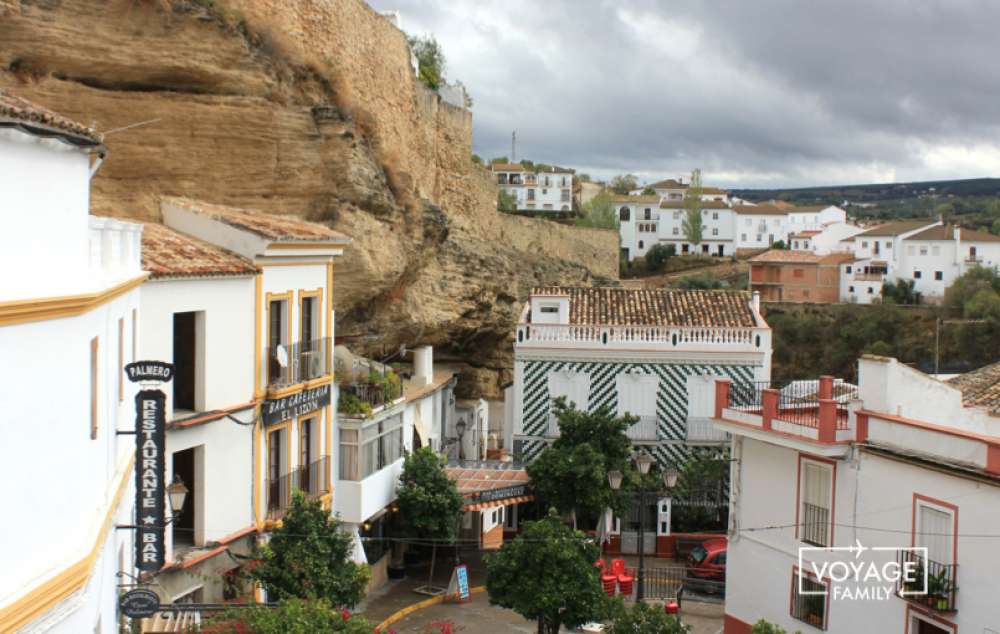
[935,257]
[638,223]
[813,217]
[536,190]
[878,258]
[830,238]
[674,190]
[69,302]
[717,221]
[377,423]
[760,226]
[907,467]
[198,313]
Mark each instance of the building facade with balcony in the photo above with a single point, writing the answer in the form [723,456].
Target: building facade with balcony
[936,256]
[781,275]
[547,189]
[69,309]
[904,465]
[289,349]
[633,350]
[198,314]
[382,414]
[878,258]
[718,224]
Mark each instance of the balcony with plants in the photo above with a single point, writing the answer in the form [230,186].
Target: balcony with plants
[932,585]
[366,392]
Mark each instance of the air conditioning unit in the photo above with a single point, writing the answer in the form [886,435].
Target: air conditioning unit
[312,364]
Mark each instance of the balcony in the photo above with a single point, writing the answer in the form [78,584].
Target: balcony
[973,259]
[941,582]
[660,338]
[869,277]
[364,398]
[302,361]
[312,479]
[642,430]
[814,525]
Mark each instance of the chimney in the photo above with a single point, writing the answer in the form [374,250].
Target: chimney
[756,301]
[423,365]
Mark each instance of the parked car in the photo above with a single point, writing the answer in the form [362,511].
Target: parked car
[706,567]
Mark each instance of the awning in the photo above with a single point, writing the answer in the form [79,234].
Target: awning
[482,506]
[418,425]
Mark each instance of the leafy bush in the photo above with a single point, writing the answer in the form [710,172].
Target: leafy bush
[763,627]
[644,618]
[430,60]
[506,201]
[900,293]
[657,256]
[700,281]
[598,213]
[779,244]
[292,616]
[352,405]
[623,183]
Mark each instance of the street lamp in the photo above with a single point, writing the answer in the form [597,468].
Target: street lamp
[643,461]
[177,493]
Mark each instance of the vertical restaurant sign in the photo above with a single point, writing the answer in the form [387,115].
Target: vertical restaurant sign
[150,471]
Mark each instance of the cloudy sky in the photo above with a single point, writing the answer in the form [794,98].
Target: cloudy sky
[757,93]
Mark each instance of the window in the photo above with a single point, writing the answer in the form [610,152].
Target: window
[379,446]
[798,273]
[815,502]
[277,335]
[795,244]
[916,275]
[759,237]
[715,215]
[923,250]
[623,213]
[972,252]
[309,319]
[549,309]
[864,244]
[94,393]
[715,231]
[564,196]
[871,291]
[648,213]
[640,244]
[849,268]
[572,386]
[850,289]
[704,248]
[743,237]
[808,598]
[121,359]
[935,250]
[185,360]
[684,248]
[888,246]
[531,194]
[676,231]
[935,530]
[939,275]
[545,191]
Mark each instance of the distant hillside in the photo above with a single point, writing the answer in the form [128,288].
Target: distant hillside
[877,192]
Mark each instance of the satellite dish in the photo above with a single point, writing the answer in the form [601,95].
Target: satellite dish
[402,349]
[282,355]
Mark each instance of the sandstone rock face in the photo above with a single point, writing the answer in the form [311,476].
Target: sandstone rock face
[307,107]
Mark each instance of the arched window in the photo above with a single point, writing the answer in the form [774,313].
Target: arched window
[623,213]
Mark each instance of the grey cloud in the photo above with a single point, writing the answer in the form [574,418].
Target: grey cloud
[776,92]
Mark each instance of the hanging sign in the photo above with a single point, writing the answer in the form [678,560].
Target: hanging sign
[306,401]
[502,493]
[138,604]
[150,470]
[149,371]
[459,584]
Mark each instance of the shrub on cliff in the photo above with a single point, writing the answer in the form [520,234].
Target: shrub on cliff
[430,60]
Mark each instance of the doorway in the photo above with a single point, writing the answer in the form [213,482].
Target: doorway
[185,355]
[183,527]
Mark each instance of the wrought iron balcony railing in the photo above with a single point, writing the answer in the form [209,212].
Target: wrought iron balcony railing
[298,362]
[932,584]
[312,479]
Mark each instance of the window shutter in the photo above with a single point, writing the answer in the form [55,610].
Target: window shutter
[935,534]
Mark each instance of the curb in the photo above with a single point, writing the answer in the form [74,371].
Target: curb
[426,603]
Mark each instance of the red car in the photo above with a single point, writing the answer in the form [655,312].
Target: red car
[706,566]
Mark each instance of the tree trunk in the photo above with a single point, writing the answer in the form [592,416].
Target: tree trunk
[434,550]
[541,625]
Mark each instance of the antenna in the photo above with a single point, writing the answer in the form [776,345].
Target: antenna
[513,143]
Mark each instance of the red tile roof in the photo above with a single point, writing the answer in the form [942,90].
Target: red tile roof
[13,108]
[893,229]
[167,253]
[761,210]
[705,204]
[655,306]
[477,478]
[279,228]
[947,232]
[980,388]
[779,256]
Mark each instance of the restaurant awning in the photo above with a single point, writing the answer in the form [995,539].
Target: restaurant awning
[489,484]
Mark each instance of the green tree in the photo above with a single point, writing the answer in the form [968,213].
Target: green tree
[658,255]
[995,227]
[428,500]
[583,178]
[643,618]
[649,191]
[292,616]
[478,160]
[572,473]
[693,225]
[430,60]
[702,477]
[547,574]
[598,212]
[623,183]
[506,201]
[901,292]
[308,557]
[528,165]
[699,281]
[499,159]
[763,627]
[778,244]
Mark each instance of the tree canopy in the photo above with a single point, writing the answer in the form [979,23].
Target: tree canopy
[623,183]
[292,616]
[506,201]
[658,255]
[598,212]
[428,499]
[308,557]
[693,225]
[572,473]
[547,574]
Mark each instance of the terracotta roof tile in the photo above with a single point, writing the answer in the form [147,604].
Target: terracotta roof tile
[777,256]
[167,253]
[947,232]
[280,228]
[705,204]
[761,210]
[484,478]
[980,388]
[655,306]
[892,229]
[806,234]
[13,108]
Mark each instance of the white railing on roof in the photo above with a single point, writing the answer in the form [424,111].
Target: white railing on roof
[664,337]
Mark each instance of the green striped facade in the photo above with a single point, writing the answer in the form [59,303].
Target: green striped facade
[671,398]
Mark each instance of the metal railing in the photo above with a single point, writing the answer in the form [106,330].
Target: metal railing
[799,403]
[312,479]
[747,396]
[814,525]
[643,429]
[297,362]
[809,608]
[374,394]
[941,582]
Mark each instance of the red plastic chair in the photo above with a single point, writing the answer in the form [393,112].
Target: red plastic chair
[600,565]
[610,583]
[625,584]
[617,567]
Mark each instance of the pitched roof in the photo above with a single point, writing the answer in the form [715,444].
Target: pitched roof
[947,232]
[760,210]
[980,388]
[666,184]
[279,228]
[808,208]
[783,256]
[839,258]
[806,234]
[472,479]
[625,198]
[614,306]
[705,204]
[892,229]
[167,253]
[508,167]
[18,110]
